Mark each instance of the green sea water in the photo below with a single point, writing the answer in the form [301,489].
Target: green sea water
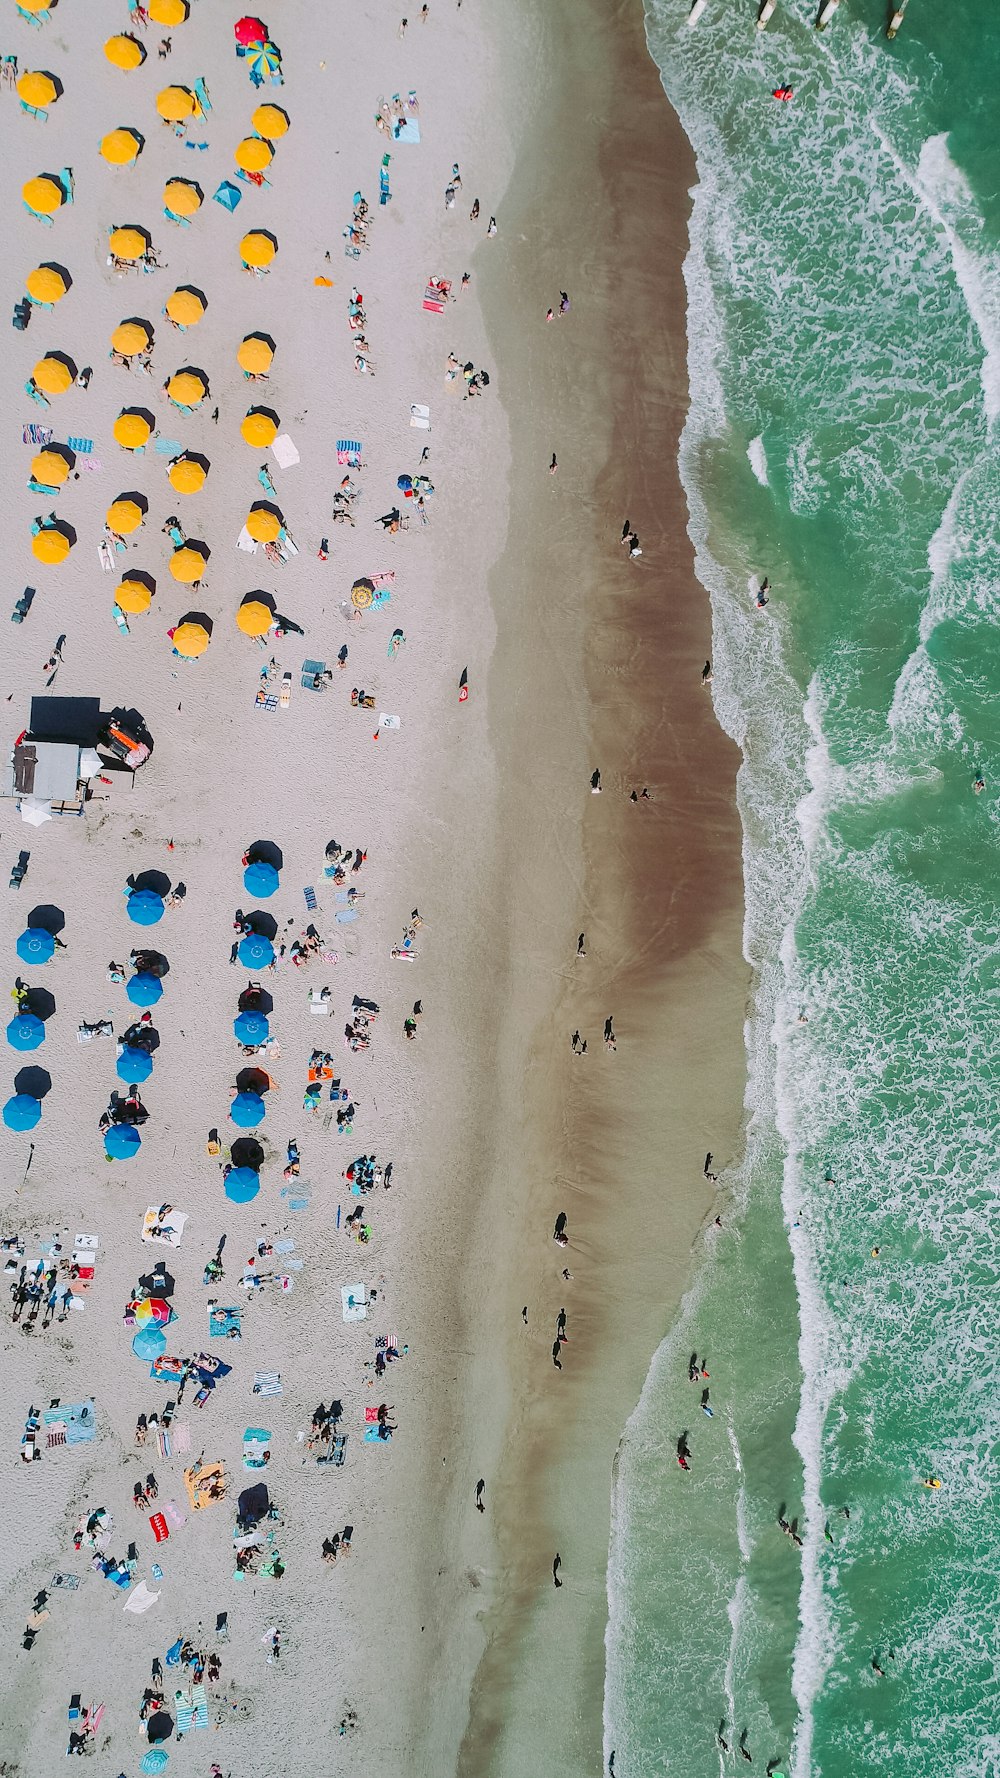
[844,356]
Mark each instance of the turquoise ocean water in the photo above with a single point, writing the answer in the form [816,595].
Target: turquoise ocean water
[844,349]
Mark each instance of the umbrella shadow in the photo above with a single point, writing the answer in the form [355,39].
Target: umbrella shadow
[246,1151]
[141,1037]
[254,1000]
[36,1082]
[156,880]
[49,918]
[52,265]
[160,1282]
[265,852]
[249,1080]
[41,1002]
[150,963]
[265,924]
[197,617]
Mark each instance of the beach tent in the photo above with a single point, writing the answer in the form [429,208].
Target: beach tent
[254,618]
[47,284]
[248,1027]
[121,1142]
[144,907]
[125,52]
[186,306]
[134,1065]
[261,879]
[247,1110]
[144,989]
[22,1112]
[122,146]
[26,1031]
[260,427]
[242,1185]
[256,951]
[191,640]
[228,195]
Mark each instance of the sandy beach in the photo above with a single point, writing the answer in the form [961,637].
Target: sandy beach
[438,1628]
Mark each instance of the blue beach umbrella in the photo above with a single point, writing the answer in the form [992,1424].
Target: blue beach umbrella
[247,1109]
[149,1342]
[134,1065]
[22,1112]
[242,1184]
[256,951]
[144,990]
[121,1141]
[35,945]
[144,907]
[25,1032]
[260,878]
[155,1760]
[250,1027]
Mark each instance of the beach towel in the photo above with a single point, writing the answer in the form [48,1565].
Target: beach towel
[173,1229]
[296,1197]
[140,1599]
[420,416]
[406,129]
[354,1298]
[200,1702]
[372,1437]
[309,895]
[348,452]
[284,452]
[159,1527]
[175,1514]
[181,1437]
[384,580]
[267,1383]
[169,447]
[163,1442]
[82,446]
[224,1324]
[184,1712]
[36,435]
[76,1421]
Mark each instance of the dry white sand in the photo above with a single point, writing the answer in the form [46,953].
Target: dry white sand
[368,1632]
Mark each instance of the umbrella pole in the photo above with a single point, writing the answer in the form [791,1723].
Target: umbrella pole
[24,1181]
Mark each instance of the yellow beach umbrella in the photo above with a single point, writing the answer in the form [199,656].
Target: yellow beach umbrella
[187,387]
[34,5]
[168,12]
[255,355]
[270,121]
[128,243]
[121,147]
[264,524]
[44,194]
[49,467]
[50,546]
[124,516]
[259,428]
[175,103]
[125,52]
[133,596]
[53,375]
[182,196]
[254,619]
[188,474]
[37,89]
[191,639]
[187,564]
[185,306]
[131,337]
[46,284]
[131,430]
[253,154]
[257,248]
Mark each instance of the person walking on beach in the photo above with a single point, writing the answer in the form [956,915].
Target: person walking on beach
[556,1565]
[626,531]
[480,1491]
[610,1040]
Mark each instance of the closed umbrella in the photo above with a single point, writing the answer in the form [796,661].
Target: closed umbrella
[26,1032]
[50,545]
[125,514]
[50,467]
[128,243]
[183,197]
[260,427]
[125,52]
[131,337]
[144,907]
[187,474]
[270,121]
[35,945]
[188,563]
[254,618]
[191,640]
[187,388]
[47,284]
[264,522]
[242,1183]
[44,194]
[185,306]
[133,596]
[253,154]
[175,103]
[144,989]
[255,354]
[247,1109]
[54,374]
[260,878]
[256,951]
[121,1142]
[22,1112]
[120,148]
[258,248]
[132,429]
[37,89]
[248,1027]
[134,1065]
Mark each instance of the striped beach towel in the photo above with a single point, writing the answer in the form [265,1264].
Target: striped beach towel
[348,452]
[200,1702]
[82,446]
[35,435]
[267,1383]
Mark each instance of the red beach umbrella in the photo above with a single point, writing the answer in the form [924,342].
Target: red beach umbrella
[248,30]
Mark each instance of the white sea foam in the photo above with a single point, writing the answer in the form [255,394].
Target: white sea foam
[758,459]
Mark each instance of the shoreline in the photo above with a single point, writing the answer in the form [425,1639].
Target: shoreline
[666,960]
